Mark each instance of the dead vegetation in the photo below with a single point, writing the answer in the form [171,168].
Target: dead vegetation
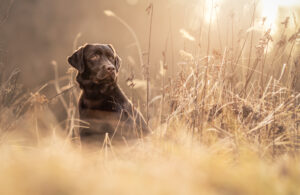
[226,123]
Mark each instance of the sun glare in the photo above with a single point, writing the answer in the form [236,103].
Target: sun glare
[211,8]
[270,10]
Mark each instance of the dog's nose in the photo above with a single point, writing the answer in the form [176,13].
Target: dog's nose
[110,68]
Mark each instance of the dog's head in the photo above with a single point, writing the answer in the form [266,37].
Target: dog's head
[98,63]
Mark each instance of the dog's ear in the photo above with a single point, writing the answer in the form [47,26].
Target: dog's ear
[118,60]
[76,60]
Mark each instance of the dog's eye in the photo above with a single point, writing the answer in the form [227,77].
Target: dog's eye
[111,58]
[95,57]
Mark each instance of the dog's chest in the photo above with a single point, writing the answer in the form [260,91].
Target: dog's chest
[102,105]
[103,116]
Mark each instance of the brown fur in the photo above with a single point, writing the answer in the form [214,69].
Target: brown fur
[102,103]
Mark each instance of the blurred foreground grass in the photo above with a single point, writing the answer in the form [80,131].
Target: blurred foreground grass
[175,165]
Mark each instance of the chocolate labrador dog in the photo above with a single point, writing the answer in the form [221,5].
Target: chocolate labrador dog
[102,104]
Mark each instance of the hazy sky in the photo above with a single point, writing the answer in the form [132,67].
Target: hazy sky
[39,31]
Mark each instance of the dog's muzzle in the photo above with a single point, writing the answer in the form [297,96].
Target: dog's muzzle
[108,73]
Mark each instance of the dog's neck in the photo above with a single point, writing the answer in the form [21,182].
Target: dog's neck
[91,89]
[105,90]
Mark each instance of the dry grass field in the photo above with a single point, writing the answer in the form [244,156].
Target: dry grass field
[225,119]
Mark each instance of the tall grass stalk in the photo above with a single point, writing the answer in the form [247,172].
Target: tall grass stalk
[136,40]
[250,47]
[206,72]
[147,66]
